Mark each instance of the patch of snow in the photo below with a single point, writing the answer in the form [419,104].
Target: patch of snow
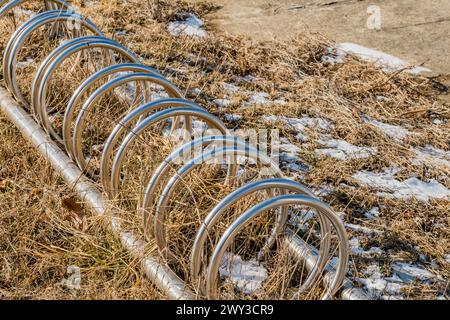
[409,272]
[121,33]
[191,26]
[438,121]
[247,276]
[430,155]
[410,188]
[73,282]
[24,64]
[362,229]
[230,88]
[447,258]
[288,152]
[355,248]
[232,117]
[280,102]
[249,78]
[387,62]
[373,213]
[222,103]
[397,133]
[23,12]
[300,124]
[377,285]
[342,150]
[382,98]
[260,98]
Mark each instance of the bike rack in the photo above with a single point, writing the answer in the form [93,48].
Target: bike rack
[33,119]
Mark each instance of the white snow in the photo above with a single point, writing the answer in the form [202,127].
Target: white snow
[447,258]
[230,88]
[23,12]
[388,62]
[73,282]
[355,248]
[410,188]
[288,152]
[24,64]
[409,272]
[232,117]
[397,133]
[222,103]
[362,229]
[342,150]
[191,26]
[438,122]
[430,155]
[247,276]
[373,213]
[377,285]
[260,98]
[300,124]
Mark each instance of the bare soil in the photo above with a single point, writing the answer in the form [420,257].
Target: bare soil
[414,30]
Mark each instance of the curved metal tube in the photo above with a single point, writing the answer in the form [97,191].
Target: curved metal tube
[37,82]
[77,148]
[280,184]
[211,120]
[41,88]
[246,217]
[17,40]
[15,3]
[217,145]
[177,178]
[86,85]
[163,168]
[126,124]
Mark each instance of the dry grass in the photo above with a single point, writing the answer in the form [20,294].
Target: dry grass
[43,230]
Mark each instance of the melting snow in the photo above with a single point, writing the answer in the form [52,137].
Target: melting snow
[447,258]
[232,117]
[388,62]
[408,272]
[288,152]
[410,188]
[300,124]
[342,150]
[24,64]
[259,98]
[355,248]
[73,282]
[23,12]
[377,285]
[191,26]
[373,213]
[247,276]
[230,88]
[432,156]
[222,103]
[364,230]
[397,133]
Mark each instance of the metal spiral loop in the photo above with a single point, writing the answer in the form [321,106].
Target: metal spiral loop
[281,193]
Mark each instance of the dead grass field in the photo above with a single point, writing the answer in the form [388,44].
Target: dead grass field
[43,229]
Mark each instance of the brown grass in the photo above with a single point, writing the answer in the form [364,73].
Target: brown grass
[43,230]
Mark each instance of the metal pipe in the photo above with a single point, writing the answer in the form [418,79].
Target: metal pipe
[142,117]
[309,255]
[162,276]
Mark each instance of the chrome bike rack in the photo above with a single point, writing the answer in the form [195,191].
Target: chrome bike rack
[30,115]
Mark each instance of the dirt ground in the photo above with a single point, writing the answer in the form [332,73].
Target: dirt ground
[414,30]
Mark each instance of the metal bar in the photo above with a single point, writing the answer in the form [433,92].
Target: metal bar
[162,276]
[308,254]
